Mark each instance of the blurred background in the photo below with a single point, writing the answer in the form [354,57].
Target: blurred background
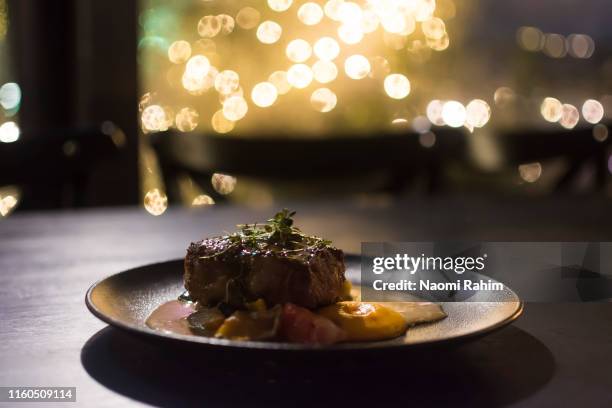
[192,103]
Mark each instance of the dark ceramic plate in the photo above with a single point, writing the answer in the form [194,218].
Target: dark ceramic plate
[126,299]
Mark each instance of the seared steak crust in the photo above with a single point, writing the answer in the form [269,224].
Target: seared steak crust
[310,277]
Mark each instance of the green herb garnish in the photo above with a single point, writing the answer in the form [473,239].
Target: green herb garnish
[277,235]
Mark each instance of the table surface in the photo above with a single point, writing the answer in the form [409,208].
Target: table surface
[556,354]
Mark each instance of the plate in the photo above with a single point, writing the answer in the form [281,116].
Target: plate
[126,299]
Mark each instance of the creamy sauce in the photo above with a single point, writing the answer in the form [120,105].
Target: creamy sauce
[171,317]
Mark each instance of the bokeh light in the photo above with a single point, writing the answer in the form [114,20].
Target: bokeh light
[592,111]
[326,49]
[179,52]
[397,86]
[453,113]
[248,18]
[235,108]
[280,81]
[299,76]
[223,184]
[197,66]
[9,132]
[569,116]
[324,71]
[280,5]
[209,26]
[551,109]
[221,124]
[154,119]
[434,28]
[478,113]
[427,139]
[155,202]
[357,66]
[600,132]
[530,38]
[350,34]
[227,81]
[530,172]
[264,94]
[298,50]
[323,100]
[202,200]
[186,119]
[310,13]
[10,96]
[269,32]
[227,24]
[434,112]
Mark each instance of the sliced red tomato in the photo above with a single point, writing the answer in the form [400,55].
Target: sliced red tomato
[300,325]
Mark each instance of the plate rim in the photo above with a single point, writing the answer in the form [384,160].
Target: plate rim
[282,346]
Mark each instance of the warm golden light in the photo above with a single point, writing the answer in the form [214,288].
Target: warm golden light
[235,108]
[326,49]
[332,9]
[323,100]
[186,119]
[209,26]
[264,94]
[221,124]
[202,200]
[279,80]
[551,109]
[299,76]
[454,114]
[227,82]
[197,66]
[154,119]
[324,71]
[357,66]
[478,113]
[350,34]
[530,172]
[155,202]
[280,5]
[269,32]
[298,50]
[434,28]
[530,38]
[310,13]
[227,24]
[248,18]
[434,112]
[179,52]
[569,116]
[223,184]
[397,86]
[350,13]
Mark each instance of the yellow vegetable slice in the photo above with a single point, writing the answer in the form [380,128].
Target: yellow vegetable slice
[365,321]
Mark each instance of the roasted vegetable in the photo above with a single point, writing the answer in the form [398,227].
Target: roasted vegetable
[206,321]
[300,325]
[365,321]
[248,325]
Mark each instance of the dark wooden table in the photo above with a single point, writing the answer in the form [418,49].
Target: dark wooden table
[557,354]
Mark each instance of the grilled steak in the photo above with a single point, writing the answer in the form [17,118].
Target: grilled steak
[274,262]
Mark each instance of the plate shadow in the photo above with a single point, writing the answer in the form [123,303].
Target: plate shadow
[505,366]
